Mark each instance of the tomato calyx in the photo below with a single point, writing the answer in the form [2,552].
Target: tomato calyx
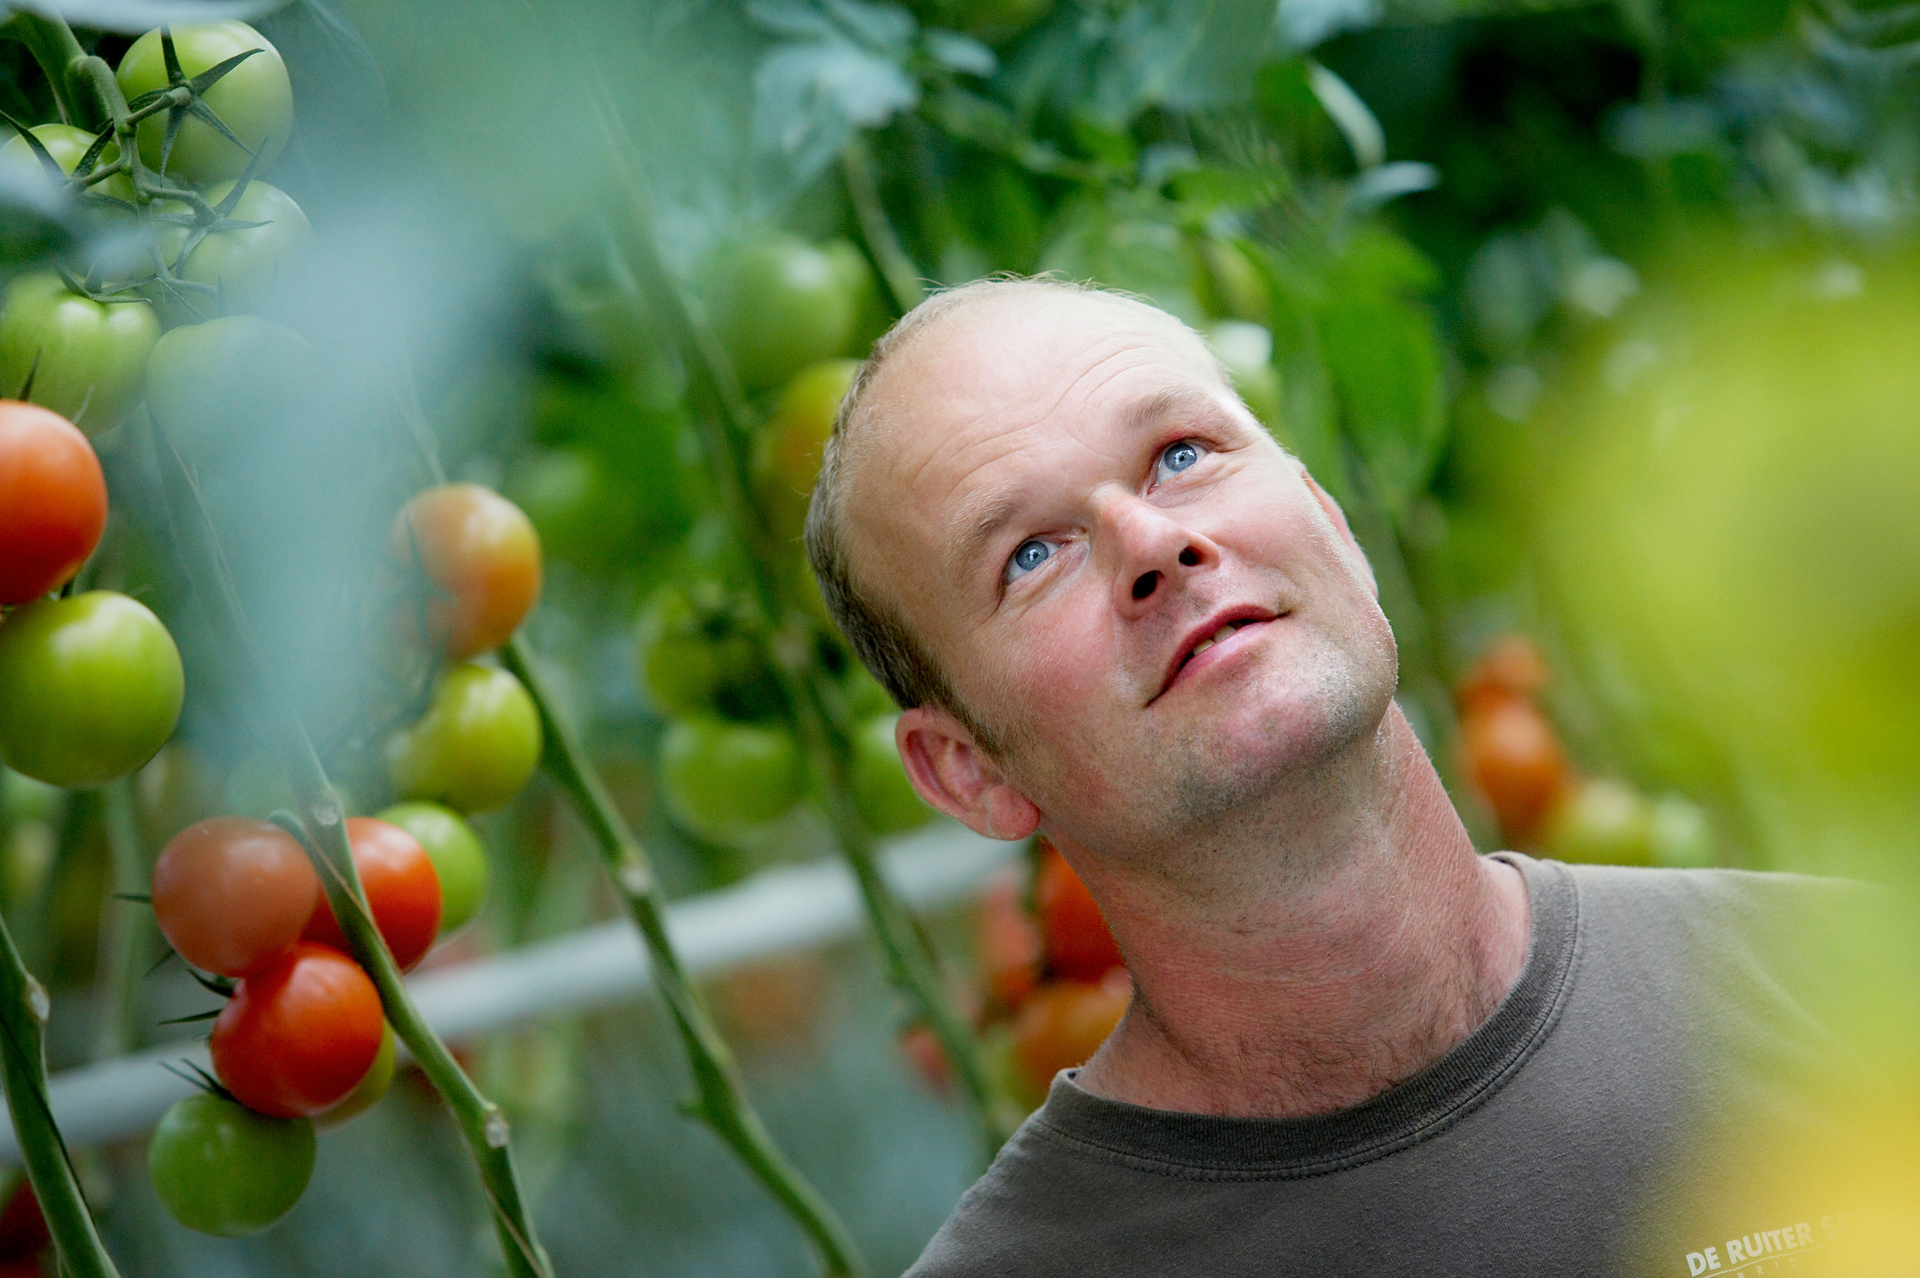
[179,106]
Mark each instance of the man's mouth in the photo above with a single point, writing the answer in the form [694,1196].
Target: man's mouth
[1222,631]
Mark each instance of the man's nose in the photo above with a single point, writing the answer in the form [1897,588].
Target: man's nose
[1153,551]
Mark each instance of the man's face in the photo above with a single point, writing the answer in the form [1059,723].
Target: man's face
[1120,571]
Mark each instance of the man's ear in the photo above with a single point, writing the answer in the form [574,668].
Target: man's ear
[954,775]
[1339,518]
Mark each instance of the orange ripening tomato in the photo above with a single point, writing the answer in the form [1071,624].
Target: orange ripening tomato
[1516,760]
[1512,667]
[481,556]
[1064,1023]
[230,893]
[1079,946]
[53,501]
[402,887]
[299,1033]
[1007,945]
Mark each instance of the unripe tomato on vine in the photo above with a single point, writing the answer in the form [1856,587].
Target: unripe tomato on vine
[214,386]
[476,746]
[90,688]
[231,893]
[786,459]
[87,358]
[1515,758]
[480,555]
[254,99]
[778,304]
[299,1033]
[720,779]
[222,1169]
[241,261]
[53,501]
[67,146]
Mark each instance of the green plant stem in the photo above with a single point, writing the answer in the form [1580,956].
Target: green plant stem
[720,1101]
[724,427]
[323,825]
[121,925]
[51,42]
[23,1070]
[863,192]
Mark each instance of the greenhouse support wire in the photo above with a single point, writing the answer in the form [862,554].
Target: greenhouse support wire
[777,911]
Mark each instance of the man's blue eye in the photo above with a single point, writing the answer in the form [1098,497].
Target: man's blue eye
[1027,556]
[1176,458]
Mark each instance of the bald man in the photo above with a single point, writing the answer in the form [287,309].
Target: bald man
[1113,609]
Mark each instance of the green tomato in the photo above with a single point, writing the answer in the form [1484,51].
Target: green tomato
[92,355]
[1680,834]
[214,386]
[254,100]
[224,1170]
[1601,822]
[90,688]
[370,1090]
[881,791]
[457,856]
[720,779]
[786,459]
[66,145]
[245,261]
[698,654]
[778,305]
[475,747]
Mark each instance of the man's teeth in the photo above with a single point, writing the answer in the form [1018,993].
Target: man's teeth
[1215,637]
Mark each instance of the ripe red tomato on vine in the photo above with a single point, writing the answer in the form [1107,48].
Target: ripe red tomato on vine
[299,1033]
[402,890]
[1079,946]
[53,501]
[231,893]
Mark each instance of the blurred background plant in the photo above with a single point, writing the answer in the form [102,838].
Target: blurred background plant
[1600,319]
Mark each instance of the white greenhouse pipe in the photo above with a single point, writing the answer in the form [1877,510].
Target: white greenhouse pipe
[778,910]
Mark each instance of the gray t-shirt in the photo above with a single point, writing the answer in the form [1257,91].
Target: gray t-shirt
[1634,1106]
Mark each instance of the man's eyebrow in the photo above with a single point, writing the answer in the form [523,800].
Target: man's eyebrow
[990,516]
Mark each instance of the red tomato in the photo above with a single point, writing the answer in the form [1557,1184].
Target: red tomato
[1512,667]
[1516,760]
[1064,1023]
[1007,945]
[921,1046]
[299,1032]
[1079,946]
[481,553]
[231,893]
[402,888]
[53,501]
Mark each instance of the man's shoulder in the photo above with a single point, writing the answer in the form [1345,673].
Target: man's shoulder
[1008,1222]
[1718,906]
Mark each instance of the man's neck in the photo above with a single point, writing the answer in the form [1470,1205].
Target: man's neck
[1305,998]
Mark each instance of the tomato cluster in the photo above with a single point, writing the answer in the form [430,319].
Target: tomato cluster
[1518,764]
[1052,981]
[302,1036]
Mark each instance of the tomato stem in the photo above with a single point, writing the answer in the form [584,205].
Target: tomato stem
[51,42]
[863,192]
[723,429]
[720,1101]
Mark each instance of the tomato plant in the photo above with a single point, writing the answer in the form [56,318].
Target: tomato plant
[68,146]
[242,261]
[298,1033]
[402,890]
[225,1170]
[87,358]
[886,798]
[53,501]
[254,100]
[214,385]
[698,653]
[230,893]
[459,861]
[787,454]
[779,304]
[1516,760]
[1079,945]
[1063,1022]
[370,1090]
[1007,947]
[1602,821]
[482,559]
[719,779]
[90,688]
[474,748]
